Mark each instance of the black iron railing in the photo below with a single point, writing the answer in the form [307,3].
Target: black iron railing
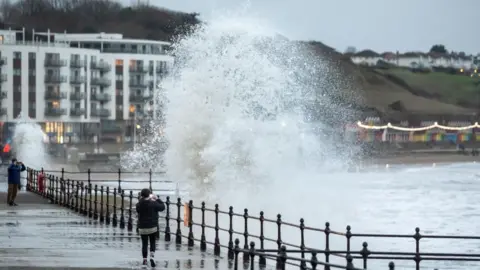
[220,229]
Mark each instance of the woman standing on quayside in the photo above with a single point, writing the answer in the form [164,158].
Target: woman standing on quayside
[147,208]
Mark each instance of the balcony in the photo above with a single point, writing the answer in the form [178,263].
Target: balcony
[100,113]
[54,112]
[77,79]
[3,95]
[161,71]
[102,66]
[140,98]
[138,84]
[54,95]
[58,63]
[77,63]
[3,111]
[77,111]
[3,61]
[55,79]
[100,97]
[138,69]
[3,77]
[77,95]
[111,129]
[100,81]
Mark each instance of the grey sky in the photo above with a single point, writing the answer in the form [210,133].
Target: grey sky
[381,25]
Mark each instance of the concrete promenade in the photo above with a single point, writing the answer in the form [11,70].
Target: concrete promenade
[38,235]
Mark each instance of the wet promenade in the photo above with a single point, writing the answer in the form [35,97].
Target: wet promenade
[38,235]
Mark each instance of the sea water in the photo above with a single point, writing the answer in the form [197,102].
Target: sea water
[239,131]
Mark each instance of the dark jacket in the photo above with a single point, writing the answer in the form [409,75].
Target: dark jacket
[14,173]
[148,213]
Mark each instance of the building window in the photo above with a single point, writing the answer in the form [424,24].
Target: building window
[119,77]
[119,62]
[32,55]
[31,72]
[55,104]
[119,92]
[17,72]
[17,55]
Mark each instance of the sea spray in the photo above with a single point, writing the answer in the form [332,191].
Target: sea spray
[243,111]
[28,144]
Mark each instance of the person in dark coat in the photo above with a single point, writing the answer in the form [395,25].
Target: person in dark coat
[14,183]
[148,207]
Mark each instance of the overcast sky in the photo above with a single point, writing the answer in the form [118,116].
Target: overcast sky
[381,25]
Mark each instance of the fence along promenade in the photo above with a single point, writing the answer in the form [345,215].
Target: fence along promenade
[203,226]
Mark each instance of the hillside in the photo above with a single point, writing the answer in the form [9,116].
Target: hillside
[362,89]
[397,94]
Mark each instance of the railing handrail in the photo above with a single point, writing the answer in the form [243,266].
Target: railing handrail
[86,192]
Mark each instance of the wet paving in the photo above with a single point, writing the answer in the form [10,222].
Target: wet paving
[37,235]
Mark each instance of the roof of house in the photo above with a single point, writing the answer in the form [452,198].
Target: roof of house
[367,53]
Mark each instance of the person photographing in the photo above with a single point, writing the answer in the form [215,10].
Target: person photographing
[148,207]
[14,183]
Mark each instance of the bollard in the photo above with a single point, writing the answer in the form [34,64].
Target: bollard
[56,190]
[114,218]
[90,201]
[216,248]
[262,261]
[95,209]
[251,254]
[417,236]
[279,231]
[107,211]
[203,238]
[167,220]
[191,239]
[236,251]
[348,235]
[364,253]
[327,245]
[314,260]
[282,258]
[303,264]
[77,184]
[89,179]
[246,256]
[230,253]
[178,234]
[122,210]
[130,221]
[81,207]
[350,263]
[102,217]
[119,180]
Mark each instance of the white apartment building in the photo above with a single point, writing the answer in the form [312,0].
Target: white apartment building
[79,86]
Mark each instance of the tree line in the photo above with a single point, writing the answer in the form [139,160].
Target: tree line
[94,16]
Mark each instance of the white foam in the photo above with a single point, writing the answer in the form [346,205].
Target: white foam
[28,144]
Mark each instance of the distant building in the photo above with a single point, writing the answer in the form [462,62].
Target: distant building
[414,59]
[80,86]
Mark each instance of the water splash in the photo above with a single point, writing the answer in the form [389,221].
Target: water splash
[243,108]
[28,143]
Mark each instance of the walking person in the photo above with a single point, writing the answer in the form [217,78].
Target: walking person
[147,208]
[14,183]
